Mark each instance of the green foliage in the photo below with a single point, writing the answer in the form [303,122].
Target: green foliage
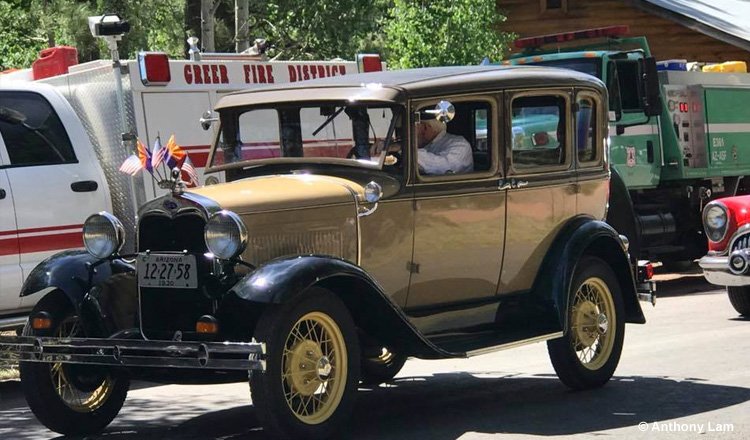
[28,26]
[420,33]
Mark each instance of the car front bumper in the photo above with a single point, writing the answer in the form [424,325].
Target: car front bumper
[716,270]
[134,353]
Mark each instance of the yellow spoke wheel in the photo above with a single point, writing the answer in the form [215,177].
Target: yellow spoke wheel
[589,351]
[593,323]
[78,400]
[314,367]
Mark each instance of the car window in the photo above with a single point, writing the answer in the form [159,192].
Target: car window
[586,135]
[32,131]
[628,73]
[538,131]
[462,146]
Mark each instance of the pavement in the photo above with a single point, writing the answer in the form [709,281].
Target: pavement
[682,375]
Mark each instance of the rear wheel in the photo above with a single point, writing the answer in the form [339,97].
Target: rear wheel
[740,298]
[587,354]
[68,398]
[312,366]
[381,368]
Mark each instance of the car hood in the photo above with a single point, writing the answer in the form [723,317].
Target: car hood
[277,192]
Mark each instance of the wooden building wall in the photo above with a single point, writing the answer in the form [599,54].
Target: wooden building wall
[666,38]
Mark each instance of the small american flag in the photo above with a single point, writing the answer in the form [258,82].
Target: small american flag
[158,153]
[189,169]
[131,165]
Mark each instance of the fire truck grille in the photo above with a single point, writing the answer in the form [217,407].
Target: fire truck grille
[741,242]
[166,311]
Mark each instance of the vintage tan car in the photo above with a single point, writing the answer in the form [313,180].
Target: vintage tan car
[365,219]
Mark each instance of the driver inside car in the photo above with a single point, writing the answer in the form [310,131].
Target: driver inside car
[441,152]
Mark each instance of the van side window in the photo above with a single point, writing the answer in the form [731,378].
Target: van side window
[538,131]
[32,131]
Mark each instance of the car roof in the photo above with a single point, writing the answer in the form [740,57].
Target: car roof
[398,85]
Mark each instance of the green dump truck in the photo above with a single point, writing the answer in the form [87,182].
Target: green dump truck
[678,138]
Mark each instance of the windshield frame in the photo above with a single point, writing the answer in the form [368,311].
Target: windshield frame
[376,162]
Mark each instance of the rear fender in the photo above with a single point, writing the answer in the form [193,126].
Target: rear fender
[585,236]
[280,280]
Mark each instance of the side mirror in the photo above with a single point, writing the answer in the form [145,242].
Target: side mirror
[652,105]
[12,116]
[207,119]
[444,111]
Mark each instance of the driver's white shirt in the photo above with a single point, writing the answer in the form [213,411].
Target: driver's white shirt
[446,153]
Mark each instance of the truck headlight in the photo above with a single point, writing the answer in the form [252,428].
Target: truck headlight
[103,234]
[715,221]
[225,234]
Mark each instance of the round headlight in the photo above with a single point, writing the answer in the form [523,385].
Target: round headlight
[715,221]
[225,234]
[103,234]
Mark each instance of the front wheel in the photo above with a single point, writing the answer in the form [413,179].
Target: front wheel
[587,354]
[312,366]
[740,299]
[68,398]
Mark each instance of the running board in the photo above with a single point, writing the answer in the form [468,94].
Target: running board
[515,344]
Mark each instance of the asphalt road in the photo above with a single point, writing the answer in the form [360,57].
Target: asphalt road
[685,374]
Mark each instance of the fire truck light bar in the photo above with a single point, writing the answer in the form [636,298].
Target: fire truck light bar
[609,31]
[154,68]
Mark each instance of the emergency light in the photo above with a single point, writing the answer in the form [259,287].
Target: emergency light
[541,40]
[369,63]
[154,68]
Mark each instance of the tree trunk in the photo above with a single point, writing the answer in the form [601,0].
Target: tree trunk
[207,25]
[241,32]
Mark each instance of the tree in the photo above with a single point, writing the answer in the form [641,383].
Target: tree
[420,33]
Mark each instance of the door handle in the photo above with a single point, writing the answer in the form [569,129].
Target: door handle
[2,194]
[504,184]
[520,183]
[84,186]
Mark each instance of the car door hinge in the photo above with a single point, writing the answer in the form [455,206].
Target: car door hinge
[412,267]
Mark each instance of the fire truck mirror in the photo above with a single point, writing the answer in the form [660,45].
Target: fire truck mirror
[207,119]
[652,99]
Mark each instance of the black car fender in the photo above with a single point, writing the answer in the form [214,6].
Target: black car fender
[280,280]
[585,236]
[74,273]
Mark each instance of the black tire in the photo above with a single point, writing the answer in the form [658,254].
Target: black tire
[383,368]
[290,331]
[590,328]
[99,392]
[740,298]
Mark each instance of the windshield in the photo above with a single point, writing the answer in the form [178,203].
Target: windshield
[590,66]
[343,132]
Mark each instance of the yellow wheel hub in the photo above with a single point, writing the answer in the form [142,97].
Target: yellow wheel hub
[593,323]
[314,367]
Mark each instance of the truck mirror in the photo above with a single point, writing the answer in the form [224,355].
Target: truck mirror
[12,116]
[207,119]
[652,105]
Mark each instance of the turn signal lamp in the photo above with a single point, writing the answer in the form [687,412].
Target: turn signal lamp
[369,63]
[608,31]
[649,271]
[41,321]
[154,68]
[207,324]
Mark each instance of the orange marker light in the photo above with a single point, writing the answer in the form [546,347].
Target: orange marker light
[41,321]
[207,324]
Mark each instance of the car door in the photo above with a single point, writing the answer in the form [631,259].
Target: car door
[10,267]
[55,185]
[543,188]
[459,224]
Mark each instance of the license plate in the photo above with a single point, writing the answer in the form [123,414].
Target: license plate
[172,271]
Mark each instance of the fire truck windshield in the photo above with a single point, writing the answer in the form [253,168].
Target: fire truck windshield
[590,66]
[356,133]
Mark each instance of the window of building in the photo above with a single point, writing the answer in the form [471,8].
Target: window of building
[32,131]
[554,5]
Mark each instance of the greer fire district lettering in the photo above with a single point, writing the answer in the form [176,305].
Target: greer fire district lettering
[207,73]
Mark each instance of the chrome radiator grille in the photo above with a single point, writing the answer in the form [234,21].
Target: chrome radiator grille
[741,242]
